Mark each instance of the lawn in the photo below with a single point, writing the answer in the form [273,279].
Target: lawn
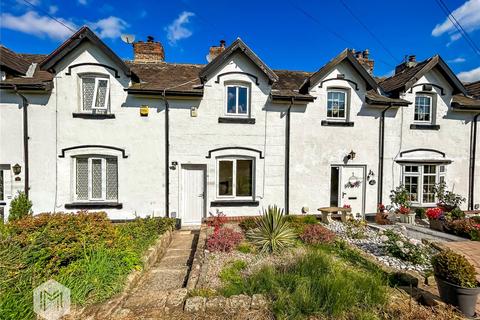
[83,251]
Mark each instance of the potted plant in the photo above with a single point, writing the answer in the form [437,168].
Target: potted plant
[401,198]
[456,281]
[435,218]
[382,214]
[447,200]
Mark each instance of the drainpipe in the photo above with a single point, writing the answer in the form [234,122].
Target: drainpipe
[381,154]
[25,140]
[287,159]
[167,158]
[473,150]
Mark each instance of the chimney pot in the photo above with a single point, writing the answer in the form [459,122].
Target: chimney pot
[222,43]
[363,59]
[412,58]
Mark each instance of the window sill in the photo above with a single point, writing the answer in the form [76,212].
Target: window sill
[329,123]
[93,205]
[93,115]
[236,120]
[425,127]
[234,203]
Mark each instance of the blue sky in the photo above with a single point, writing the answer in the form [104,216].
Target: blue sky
[290,34]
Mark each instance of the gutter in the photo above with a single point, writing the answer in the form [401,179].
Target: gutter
[381,151]
[473,150]
[25,141]
[287,157]
[164,93]
[167,157]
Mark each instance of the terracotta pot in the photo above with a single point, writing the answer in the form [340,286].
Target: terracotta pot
[436,224]
[465,299]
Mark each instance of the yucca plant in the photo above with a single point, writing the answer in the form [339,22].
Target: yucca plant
[273,232]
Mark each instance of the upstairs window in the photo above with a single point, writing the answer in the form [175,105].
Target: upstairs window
[237,100]
[423,109]
[235,178]
[336,105]
[95,94]
[96,179]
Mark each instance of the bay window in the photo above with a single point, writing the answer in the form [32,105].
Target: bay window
[420,181]
[235,178]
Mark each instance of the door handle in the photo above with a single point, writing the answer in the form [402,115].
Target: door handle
[201,195]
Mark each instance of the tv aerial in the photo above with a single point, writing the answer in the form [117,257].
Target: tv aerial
[128,38]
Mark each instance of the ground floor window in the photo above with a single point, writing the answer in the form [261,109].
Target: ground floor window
[420,181]
[235,178]
[96,178]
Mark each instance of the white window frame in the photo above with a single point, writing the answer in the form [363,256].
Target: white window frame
[234,178]
[344,92]
[236,86]
[440,173]
[89,179]
[430,108]
[97,79]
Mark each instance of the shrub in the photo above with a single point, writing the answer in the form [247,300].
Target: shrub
[434,213]
[398,246]
[231,273]
[273,233]
[217,220]
[224,240]
[464,227]
[295,222]
[315,234]
[245,247]
[400,197]
[20,207]
[356,229]
[420,213]
[456,214]
[248,224]
[309,219]
[454,268]
[447,199]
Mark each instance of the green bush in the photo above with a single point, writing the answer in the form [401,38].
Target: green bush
[317,285]
[84,251]
[456,214]
[20,207]
[420,213]
[245,247]
[412,250]
[454,268]
[309,219]
[231,273]
[273,233]
[248,224]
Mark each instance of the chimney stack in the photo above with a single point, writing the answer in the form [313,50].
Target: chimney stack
[150,51]
[364,58]
[215,51]
[409,62]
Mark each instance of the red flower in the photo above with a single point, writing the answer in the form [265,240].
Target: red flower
[381,207]
[346,206]
[404,210]
[434,213]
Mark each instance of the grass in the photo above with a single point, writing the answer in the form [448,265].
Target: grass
[325,282]
[84,252]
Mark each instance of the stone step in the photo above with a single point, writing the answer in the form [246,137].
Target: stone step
[163,279]
[173,262]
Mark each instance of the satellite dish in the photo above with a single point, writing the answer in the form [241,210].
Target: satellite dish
[209,59]
[128,38]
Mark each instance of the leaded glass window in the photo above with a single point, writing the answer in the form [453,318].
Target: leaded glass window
[423,109]
[95,93]
[336,105]
[96,178]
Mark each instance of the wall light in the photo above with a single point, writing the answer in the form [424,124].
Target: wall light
[351,155]
[17,169]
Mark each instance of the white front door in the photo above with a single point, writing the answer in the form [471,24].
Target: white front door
[352,188]
[193,195]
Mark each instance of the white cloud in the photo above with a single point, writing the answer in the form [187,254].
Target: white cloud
[468,15]
[41,26]
[470,76]
[177,29]
[52,9]
[111,27]
[457,60]
[83,2]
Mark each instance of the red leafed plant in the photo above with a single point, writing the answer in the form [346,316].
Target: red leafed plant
[315,233]
[217,221]
[224,239]
[434,213]
[404,210]
[347,206]
[381,207]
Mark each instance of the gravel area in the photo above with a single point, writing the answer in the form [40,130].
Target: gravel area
[373,243]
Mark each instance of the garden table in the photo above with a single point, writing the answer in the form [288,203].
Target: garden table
[327,213]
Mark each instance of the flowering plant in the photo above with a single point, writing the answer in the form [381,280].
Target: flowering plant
[434,213]
[404,210]
[381,207]
[399,246]
[347,206]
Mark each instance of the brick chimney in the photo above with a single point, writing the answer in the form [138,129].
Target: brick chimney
[364,58]
[150,51]
[409,62]
[215,51]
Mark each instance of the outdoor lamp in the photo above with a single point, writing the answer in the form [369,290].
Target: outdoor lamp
[351,155]
[17,169]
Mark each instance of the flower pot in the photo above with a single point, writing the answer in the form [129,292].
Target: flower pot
[436,224]
[408,218]
[465,299]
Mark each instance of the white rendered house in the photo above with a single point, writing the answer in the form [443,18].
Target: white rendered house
[81,129]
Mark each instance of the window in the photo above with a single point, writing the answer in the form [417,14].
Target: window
[235,178]
[336,105]
[423,108]
[237,100]
[96,179]
[95,94]
[420,180]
